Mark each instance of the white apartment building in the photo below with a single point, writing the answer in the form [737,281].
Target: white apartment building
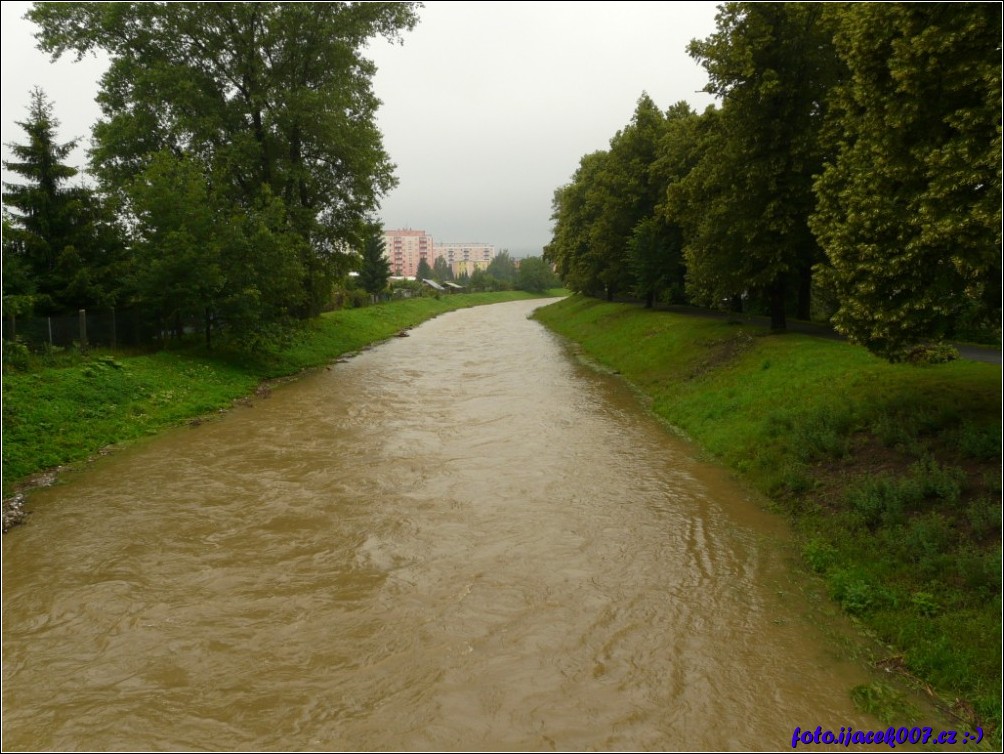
[466,257]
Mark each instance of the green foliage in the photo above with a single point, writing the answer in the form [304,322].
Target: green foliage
[375,270]
[979,441]
[424,271]
[822,434]
[882,701]
[882,500]
[656,260]
[177,239]
[854,591]
[750,196]
[535,275]
[984,517]
[482,280]
[60,249]
[610,194]
[502,268]
[442,271]
[820,555]
[272,106]
[937,353]
[15,354]
[910,209]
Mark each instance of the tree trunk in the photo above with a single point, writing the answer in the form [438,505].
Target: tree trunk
[805,293]
[209,330]
[778,323]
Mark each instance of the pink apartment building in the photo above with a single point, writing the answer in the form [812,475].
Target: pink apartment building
[406,248]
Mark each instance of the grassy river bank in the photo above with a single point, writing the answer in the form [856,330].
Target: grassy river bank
[890,474]
[67,409]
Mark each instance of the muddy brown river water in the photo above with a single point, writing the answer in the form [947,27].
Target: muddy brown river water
[464,539]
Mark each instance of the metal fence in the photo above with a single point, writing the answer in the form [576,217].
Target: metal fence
[109,328]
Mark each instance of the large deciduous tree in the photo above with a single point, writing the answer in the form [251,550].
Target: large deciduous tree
[655,248]
[574,209]
[610,194]
[910,210]
[772,65]
[502,268]
[535,275]
[272,101]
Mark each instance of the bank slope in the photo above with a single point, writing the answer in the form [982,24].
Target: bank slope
[890,472]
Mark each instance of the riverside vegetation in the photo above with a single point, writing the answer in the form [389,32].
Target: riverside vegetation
[890,474]
[63,409]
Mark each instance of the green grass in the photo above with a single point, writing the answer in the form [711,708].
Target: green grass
[71,409]
[890,473]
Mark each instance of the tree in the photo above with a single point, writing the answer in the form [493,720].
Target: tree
[655,248]
[535,275]
[375,270]
[178,243]
[773,65]
[910,209]
[574,209]
[273,100]
[424,271]
[626,193]
[58,245]
[502,268]
[441,269]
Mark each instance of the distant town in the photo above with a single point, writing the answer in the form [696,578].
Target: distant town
[406,248]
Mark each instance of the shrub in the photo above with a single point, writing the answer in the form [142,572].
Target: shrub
[820,555]
[16,355]
[932,353]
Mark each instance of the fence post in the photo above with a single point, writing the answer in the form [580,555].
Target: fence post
[49,319]
[83,329]
[113,327]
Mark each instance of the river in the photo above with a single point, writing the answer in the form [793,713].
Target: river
[463,539]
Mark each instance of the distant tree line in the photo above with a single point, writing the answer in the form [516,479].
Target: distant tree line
[503,273]
[852,169]
[235,168]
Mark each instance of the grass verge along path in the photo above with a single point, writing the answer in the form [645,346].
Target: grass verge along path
[890,472]
[67,412]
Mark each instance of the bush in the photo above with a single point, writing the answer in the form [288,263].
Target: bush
[982,443]
[883,500]
[984,517]
[853,591]
[820,555]
[941,482]
[822,435]
[16,355]
[932,353]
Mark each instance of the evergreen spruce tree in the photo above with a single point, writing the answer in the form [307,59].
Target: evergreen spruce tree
[42,223]
[376,267]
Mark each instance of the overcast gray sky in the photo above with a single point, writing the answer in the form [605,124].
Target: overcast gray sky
[487,106]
